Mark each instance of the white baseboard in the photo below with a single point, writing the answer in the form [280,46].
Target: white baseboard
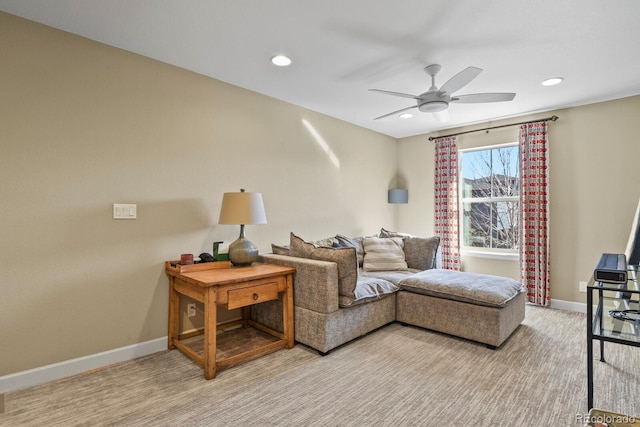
[569,305]
[43,374]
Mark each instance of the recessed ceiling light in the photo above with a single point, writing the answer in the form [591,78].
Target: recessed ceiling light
[406,115]
[552,81]
[281,60]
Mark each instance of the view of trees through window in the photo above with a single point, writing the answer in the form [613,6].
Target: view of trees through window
[490,186]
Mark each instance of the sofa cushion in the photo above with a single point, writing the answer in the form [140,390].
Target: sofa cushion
[383,254]
[420,252]
[386,233]
[480,289]
[390,276]
[329,242]
[299,248]
[368,289]
[356,243]
[347,263]
[345,258]
[279,249]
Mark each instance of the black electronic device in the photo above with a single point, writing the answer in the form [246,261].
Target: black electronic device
[205,257]
[612,268]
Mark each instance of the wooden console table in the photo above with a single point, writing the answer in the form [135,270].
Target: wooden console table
[218,283]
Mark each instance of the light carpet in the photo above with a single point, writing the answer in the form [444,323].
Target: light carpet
[395,376]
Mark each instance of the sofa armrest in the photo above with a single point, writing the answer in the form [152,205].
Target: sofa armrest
[315,283]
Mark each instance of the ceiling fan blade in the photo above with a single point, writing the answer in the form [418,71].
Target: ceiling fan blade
[460,80]
[396,112]
[404,95]
[484,97]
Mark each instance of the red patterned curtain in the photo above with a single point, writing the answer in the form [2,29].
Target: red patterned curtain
[534,211]
[446,203]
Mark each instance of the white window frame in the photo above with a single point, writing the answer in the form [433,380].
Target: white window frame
[495,253]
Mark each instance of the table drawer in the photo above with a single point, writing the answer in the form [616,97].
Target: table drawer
[252,295]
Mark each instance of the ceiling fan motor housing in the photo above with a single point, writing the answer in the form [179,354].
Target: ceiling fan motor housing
[432,102]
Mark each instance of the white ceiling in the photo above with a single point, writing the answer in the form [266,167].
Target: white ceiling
[342,48]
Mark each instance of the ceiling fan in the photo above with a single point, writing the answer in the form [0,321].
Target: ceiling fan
[435,100]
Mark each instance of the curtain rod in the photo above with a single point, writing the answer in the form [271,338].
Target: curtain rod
[548,119]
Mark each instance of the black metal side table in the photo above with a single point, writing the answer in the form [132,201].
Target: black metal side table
[613,320]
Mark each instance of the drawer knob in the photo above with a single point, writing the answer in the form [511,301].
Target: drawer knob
[255,297]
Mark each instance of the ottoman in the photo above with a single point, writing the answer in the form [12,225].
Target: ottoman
[478,307]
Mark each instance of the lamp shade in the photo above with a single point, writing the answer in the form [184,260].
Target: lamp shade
[398,196]
[242,208]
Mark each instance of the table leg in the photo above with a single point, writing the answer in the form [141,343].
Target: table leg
[602,351]
[246,316]
[174,308]
[589,349]
[210,330]
[287,313]
[599,314]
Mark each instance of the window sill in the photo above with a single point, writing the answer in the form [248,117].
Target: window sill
[492,255]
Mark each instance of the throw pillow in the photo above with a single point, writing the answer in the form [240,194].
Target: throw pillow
[420,252]
[279,250]
[387,233]
[299,248]
[327,243]
[345,258]
[356,243]
[383,254]
[347,263]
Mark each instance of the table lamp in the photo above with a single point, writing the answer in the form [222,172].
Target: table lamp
[242,208]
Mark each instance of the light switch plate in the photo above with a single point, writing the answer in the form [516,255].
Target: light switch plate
[125,211]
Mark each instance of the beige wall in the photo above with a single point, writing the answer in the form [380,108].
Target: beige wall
[84,125]
[595,187]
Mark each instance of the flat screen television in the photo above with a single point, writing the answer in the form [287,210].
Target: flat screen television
[633,245]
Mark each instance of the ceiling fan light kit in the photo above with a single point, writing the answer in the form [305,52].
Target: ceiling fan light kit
[433,106]
[436,100]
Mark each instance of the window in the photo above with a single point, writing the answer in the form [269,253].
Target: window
[489,199]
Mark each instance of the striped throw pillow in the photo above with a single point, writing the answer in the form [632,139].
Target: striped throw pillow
[383,254]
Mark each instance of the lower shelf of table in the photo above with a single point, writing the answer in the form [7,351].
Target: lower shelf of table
[234,346]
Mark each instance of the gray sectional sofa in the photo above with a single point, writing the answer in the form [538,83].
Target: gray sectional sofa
[347,287]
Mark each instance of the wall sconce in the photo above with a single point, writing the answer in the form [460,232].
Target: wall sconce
[398,196]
